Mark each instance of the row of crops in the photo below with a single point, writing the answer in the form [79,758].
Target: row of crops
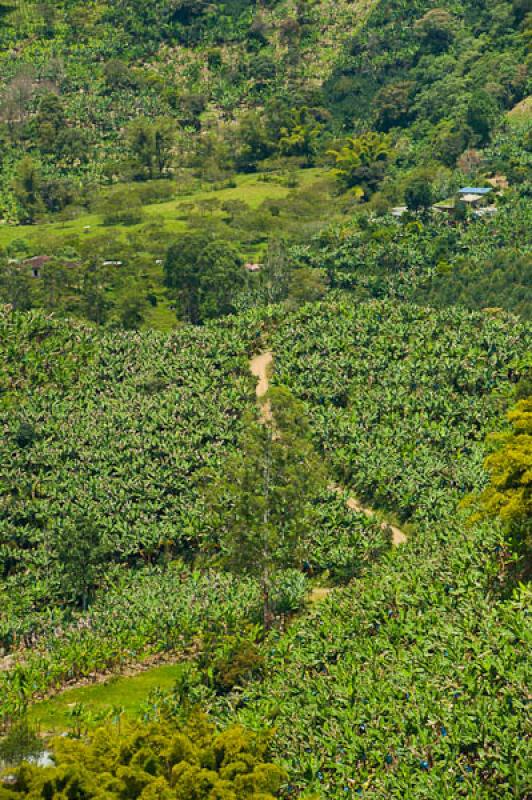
[143,614]
[102,442]
[411,681]
[401,396]
[105,447]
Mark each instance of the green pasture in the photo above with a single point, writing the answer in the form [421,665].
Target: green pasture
[128,693]
[249,189]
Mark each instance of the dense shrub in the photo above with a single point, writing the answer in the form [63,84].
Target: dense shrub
[154,761]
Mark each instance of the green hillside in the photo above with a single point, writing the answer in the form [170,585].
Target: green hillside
[265,399]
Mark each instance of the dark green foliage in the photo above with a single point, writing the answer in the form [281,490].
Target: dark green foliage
[118,75]
[150,144]
[20,742]
[131,309]
[206,276]
[15,288]
[482,113]
[82,558]
[435,30]
[428,69]
[418,194]
[49,122]
[411,681]
[260,503]
[240,663]
[6,8]
[502,281]
[474,263]
[393,105]
[25,435]
[26,186]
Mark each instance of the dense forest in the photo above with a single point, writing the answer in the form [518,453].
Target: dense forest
[265,399]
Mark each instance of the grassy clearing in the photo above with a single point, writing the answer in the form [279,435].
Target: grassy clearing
[522,112]
[160,318]
[126,692]
[249,189]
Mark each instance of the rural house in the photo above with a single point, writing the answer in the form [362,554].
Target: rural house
[36,264]
[474,196]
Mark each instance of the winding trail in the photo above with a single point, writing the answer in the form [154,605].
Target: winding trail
[260,367]
[398,536]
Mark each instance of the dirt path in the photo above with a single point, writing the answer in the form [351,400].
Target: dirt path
[260,366]
[398,537]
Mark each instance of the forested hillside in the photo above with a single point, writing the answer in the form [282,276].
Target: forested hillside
[265,399]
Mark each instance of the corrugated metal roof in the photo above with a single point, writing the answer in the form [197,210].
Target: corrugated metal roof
[474,190]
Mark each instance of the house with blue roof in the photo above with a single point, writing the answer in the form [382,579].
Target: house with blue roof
[474,196]
[475,190]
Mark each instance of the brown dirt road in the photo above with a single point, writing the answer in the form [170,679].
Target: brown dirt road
[260,366]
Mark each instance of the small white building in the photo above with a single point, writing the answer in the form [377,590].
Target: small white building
[399,211]
[474,196]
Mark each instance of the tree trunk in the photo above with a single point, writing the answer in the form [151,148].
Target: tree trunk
[267,613]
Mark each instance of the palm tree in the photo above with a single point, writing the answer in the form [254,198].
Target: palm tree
[361,162]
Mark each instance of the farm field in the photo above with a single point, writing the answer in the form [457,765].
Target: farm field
[265,400]
[403,621]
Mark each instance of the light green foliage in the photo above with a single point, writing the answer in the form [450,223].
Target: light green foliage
[417,385]
[155,397]
[142,223]
[409,679]
[509,493]
[410,682]
[360,163]
[156,761]
[151,612]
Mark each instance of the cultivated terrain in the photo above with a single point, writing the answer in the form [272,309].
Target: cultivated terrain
[265,399]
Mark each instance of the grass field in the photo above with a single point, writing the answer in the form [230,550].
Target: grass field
[249,189]
[142,246]
[128,693]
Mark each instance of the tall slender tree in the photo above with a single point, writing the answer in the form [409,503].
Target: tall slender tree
[260,503]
